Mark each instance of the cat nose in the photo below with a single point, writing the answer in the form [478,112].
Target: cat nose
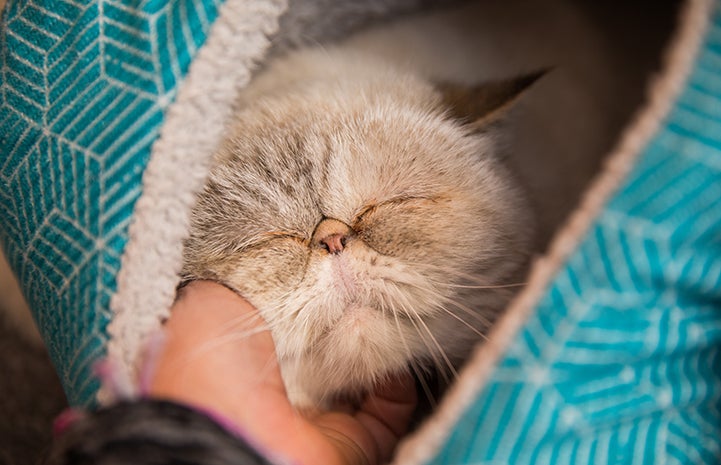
[332,235]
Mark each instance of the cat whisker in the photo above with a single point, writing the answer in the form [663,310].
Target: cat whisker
[444,370]
[435,349]
[477,315]
[470,326]
[227,338]
[424,384]
[414,366]
[479,281]
[239,321]
[496,286]
[476,282]
[469,311]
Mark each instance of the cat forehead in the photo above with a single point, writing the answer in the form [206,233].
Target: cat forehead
[294,125]
[346,146]
[373,111]
[399,146]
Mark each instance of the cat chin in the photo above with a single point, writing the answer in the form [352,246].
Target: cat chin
[330,369]
[335,374]
[389,343]
[312,384]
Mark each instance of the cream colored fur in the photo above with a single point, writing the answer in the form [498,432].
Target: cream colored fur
[436,227]
[334,132]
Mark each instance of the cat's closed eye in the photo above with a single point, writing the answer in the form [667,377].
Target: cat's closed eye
[403,225]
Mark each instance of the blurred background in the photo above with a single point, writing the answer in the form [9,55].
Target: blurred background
[30,392]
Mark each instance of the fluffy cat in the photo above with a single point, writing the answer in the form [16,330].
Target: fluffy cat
[362,209]
[362,202]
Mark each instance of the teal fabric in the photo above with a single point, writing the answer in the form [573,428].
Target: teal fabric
[620,363]
[84,86]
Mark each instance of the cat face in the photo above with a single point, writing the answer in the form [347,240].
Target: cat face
[366,226]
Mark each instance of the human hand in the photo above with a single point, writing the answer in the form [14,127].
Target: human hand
[218,356]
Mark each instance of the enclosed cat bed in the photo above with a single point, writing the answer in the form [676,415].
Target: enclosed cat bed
[111,110]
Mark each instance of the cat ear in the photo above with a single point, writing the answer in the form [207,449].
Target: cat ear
[488,102]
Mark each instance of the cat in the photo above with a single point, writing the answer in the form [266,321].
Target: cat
[363,200]
[363,210]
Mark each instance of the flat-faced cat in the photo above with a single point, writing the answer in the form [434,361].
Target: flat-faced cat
[360,203]
[361,208]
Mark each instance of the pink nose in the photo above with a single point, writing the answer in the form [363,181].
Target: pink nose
[331,235]
[334,243]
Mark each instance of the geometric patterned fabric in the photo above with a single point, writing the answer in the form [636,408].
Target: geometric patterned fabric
[84,87]
[620,361]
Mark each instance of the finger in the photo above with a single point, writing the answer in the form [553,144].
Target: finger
[387,413]
[239,378]
[202,338]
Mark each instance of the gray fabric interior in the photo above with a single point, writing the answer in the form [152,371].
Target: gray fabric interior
[308,22]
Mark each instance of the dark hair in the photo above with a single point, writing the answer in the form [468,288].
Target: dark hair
[146,432]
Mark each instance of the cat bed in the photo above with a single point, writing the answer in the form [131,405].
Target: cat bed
[110,111]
